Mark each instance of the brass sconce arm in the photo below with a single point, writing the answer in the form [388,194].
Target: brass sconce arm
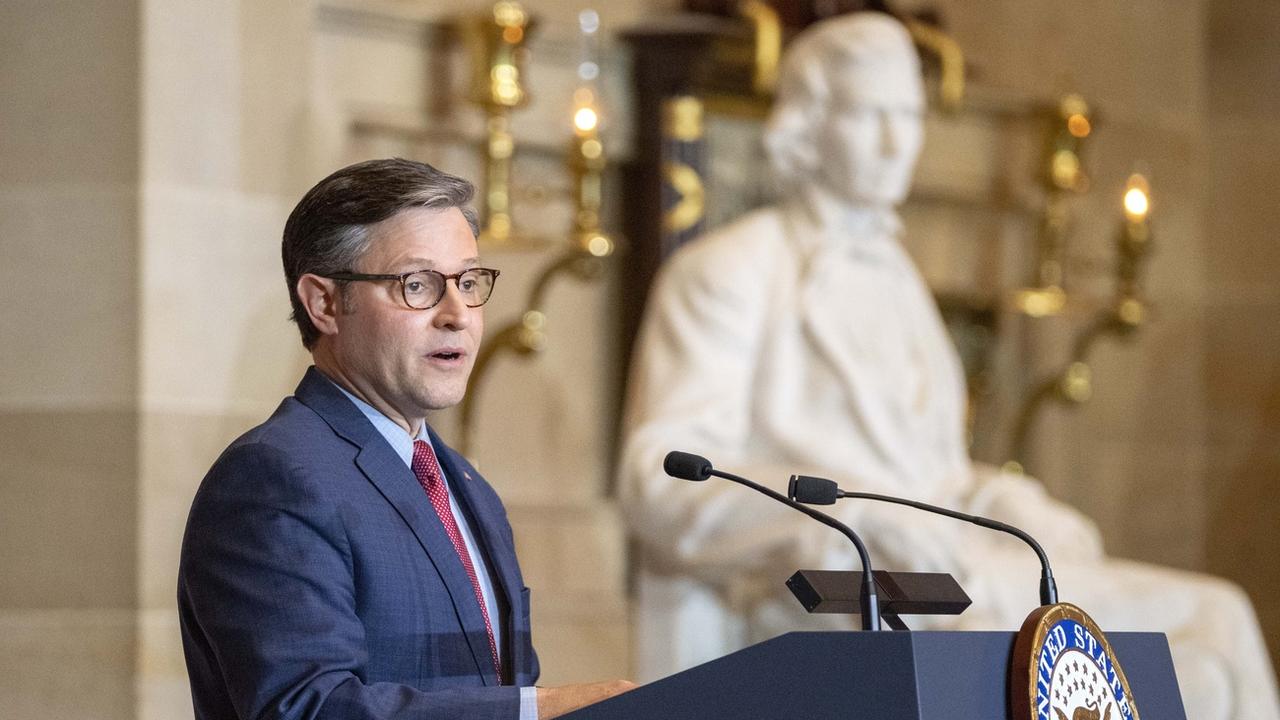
[950,59]
[526,336]
[1073,383]
[498,55]
[766,44]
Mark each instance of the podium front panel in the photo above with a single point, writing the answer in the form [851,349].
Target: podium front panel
[878,676]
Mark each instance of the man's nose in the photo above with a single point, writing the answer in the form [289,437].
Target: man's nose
[452,311]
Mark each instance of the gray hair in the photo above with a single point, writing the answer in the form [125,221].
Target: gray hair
[328,231]
[833,47]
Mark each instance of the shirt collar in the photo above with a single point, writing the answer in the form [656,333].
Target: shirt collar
[395,435]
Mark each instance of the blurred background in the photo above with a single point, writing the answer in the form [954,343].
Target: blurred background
[150,152]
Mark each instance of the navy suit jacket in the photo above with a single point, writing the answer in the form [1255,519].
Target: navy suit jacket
[316,580]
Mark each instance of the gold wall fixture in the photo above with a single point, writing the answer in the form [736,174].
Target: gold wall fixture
[587,163]
[1073,382]
[766,35]
[497,45]
[682,130]
[738,75]
[589,246]
[1132,246]
[525,337]
[1062,176]
[950,60]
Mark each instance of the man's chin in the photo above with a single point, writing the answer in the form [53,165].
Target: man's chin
[441,398]
[439,389]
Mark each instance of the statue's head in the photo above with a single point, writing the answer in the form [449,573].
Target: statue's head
[849,111]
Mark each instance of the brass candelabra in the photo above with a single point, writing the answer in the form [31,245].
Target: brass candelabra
[950,56]
[1072,383]
[1062,177]
[497,42]
[589,245]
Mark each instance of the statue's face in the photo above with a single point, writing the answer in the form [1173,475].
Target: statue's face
[872,131]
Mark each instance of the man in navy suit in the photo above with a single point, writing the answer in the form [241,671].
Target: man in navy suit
[340,561]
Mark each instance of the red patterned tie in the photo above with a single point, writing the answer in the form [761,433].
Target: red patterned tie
[427,468]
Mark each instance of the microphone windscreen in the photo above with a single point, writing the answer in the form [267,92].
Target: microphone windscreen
[686,466]
[812,490]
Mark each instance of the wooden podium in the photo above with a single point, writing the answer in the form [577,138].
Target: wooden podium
[877,676]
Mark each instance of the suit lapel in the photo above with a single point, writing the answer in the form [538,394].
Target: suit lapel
[396,482]
[488,526]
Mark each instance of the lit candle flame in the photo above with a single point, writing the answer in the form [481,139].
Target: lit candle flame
[1079,126]
[585,119]
[509,14]
[1137,199]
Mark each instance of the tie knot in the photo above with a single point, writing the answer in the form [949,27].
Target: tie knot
[425,465]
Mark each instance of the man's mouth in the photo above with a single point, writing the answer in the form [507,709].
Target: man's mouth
[447,354]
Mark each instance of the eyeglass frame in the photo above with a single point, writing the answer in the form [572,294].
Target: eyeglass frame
[402,277]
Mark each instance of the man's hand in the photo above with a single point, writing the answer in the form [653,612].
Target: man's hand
[556,701]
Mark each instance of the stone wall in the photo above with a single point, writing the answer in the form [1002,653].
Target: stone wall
[1241,372]
[1135,454]
[69,110]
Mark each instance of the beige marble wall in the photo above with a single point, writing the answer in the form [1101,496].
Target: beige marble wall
[68,109]
[1242,339]
[1175,454]
[1135,455]
[224,153]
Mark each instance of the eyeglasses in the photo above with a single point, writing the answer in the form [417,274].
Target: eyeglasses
[424,289]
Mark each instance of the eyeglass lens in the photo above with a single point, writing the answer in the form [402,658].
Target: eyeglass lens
[426,288]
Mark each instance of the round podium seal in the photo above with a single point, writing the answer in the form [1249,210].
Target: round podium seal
[1064,669]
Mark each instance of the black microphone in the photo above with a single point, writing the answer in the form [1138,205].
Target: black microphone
[820,491]
[688,466]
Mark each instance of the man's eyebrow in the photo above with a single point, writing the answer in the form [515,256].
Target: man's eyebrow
[419,263]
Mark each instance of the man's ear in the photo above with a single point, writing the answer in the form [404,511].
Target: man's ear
[321,298]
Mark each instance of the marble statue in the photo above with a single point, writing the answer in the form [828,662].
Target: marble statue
[802,339]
